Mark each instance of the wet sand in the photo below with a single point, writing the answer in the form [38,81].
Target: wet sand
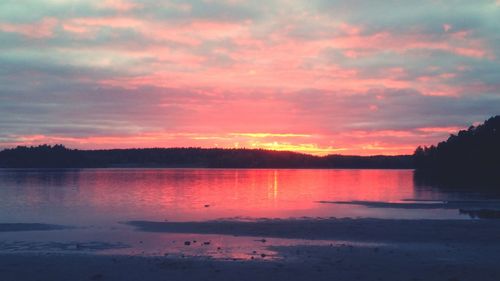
[401,250]
[483,209]
[420,262]
[424,204]
[363,229]
[9,227]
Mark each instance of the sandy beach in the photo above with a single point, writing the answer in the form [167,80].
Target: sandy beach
[396,250]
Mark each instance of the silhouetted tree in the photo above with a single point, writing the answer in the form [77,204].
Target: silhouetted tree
[474,152]
[46,156]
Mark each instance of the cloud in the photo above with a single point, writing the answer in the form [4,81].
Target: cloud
[353,76]
[42,29]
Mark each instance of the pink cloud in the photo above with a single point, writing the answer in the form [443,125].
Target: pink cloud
[42,29]
[120,5]
[265,62]
[257,80]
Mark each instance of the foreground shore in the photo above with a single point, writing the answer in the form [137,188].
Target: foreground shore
[304,263]
[412,250]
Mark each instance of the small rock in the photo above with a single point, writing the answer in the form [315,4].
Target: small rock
[206,243]
[207,205]
[263,255]
[187,243]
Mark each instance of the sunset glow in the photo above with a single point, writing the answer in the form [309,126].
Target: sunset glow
[319,77]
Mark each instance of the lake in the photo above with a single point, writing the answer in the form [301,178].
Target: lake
[94,196]
[97,202]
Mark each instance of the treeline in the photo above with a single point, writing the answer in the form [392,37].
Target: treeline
[58,156]
[472,152]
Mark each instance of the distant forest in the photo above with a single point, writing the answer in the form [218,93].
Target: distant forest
[472,153]
[58,156]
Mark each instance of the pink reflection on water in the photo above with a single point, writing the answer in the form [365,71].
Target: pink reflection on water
[100,195]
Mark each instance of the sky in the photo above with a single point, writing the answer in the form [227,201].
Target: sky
[316,76]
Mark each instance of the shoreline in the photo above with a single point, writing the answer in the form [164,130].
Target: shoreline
[347,262]
[346,229]
[347,249]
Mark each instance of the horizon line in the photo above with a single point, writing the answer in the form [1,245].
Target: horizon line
[207,148]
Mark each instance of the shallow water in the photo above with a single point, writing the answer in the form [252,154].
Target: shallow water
[125,242]
[96,201]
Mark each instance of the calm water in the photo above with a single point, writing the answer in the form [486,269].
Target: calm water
[95,196]
[96,201]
